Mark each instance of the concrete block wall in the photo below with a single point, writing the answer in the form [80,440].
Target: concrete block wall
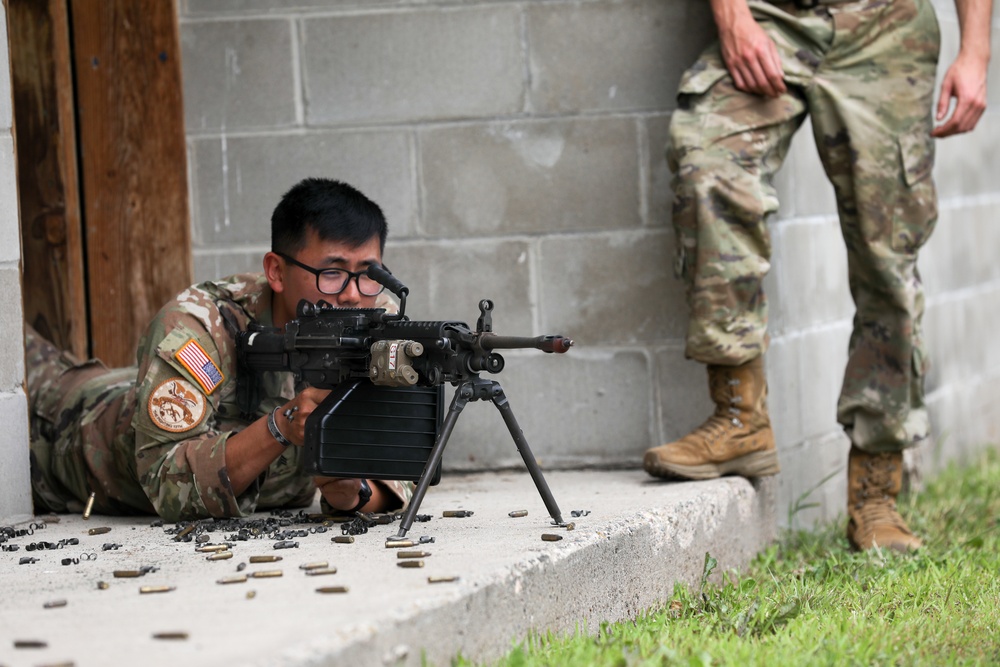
[517,149]
[15,481]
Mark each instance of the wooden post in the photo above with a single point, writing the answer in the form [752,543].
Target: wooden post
[133,166]
[54,289]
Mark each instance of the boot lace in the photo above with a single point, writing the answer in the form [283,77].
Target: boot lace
[724,391]
[875,503]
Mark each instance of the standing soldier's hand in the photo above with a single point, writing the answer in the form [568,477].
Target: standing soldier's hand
[965,82]
[749,53]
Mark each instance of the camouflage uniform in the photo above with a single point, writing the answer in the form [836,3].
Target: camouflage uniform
[864,71]
[153,438]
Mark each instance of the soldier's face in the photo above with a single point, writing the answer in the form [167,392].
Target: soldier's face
[296,283]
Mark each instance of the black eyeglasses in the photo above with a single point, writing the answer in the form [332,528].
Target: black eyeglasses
[334,281]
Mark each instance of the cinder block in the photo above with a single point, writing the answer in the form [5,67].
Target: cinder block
[823,357]
[959,255]
[965,163]
[447,282]
[811,267]
[960,343]
[978,342]
[205,266]
[941,322]
[682,394]
[963,420]
[589,407]
[238,75]
[936,260]
[773,287]
[217,264]
[802,185]
[535,177]
[11,329]
[784,395]
[15,472]
[612,289]
[10,229]
[431,64]
[659,194]
[240,180]
[813,481]
[612,56]
[207,8]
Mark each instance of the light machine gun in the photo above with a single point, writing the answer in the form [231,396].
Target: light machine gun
[384,417]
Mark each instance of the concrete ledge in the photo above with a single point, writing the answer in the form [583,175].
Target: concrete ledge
[640,537]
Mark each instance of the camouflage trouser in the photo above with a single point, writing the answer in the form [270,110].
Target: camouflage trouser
[61,405]
[864,71]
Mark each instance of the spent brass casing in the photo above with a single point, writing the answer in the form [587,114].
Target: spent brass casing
[410,563]
[54,604]
[266,574]
[517,514]
[170,635]
[458,514]
[29,643]
[570,526]
[222,555]
[332,589]
[441,580]
[99,531]
[321,571]
[103,585]
[549,537]
[184,533]
[234,579]
[413,554]
[343,539]
[251,595]
[128,574]
[90,505]
[314,566]
[398,544]
[264,559]
[211,548]
[143,590]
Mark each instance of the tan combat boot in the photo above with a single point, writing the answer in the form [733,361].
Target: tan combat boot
[736,440]
[873,482]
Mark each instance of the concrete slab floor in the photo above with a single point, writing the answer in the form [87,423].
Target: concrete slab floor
[639,538]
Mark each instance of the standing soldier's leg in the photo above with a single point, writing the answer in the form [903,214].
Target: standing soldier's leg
[726,146]
[872,128]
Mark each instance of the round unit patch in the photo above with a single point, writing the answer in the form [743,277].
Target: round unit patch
[176,405]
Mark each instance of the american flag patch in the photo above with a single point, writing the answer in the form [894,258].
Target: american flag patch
[193,357]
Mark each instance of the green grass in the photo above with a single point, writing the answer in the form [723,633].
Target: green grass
[810,600]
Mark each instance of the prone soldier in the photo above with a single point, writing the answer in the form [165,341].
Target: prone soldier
[168,436]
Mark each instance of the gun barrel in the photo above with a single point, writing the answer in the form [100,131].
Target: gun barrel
[549,343]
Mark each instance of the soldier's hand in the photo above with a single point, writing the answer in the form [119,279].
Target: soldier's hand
[342,494]
[291,417]
[749,53]
[965,83]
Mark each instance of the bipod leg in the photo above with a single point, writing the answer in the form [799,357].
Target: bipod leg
[500,400]
[462,396]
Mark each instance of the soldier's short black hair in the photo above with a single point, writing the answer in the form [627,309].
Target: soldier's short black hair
[337,211]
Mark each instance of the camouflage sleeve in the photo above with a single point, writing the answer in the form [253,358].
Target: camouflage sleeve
[180,454]
[403,491]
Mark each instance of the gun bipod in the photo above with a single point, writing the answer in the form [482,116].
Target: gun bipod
[477,389]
